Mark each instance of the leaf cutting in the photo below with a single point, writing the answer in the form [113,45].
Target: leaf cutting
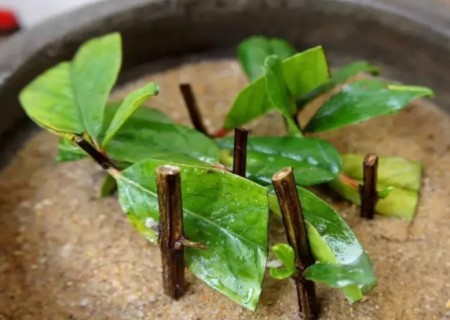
[223,214]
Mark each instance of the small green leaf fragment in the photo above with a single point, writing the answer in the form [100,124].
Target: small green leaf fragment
[362,100]
[286,255]
[108,186]
[133,101]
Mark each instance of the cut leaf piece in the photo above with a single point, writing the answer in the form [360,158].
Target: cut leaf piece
[314,160]
[302,73]
[69,98]
[253,51]
[363,100]
[400,176]
[338,78]
[128,107]
[234,230]
[392,171]
[277,92]
[333,242]
[286,255]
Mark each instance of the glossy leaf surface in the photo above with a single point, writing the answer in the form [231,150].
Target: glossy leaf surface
[314,160]
[234,228]
[400,176]
[70,98]
[338,78]
[333,242]
[363,100]
[253,51]
[302,73]
[140,139]
[133,101]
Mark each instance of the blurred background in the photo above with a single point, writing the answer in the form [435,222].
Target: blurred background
[31,12]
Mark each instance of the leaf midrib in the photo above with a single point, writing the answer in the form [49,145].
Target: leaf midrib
[138,186]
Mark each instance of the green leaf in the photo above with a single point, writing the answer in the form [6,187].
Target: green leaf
[333,242]
[94,71]
[233,229]
[253,51]
[108,187]
[341,276]
[49,101]
[286,255]
[69,98]
[314,160]
[363,100]
[141,139]
[400,176]
[277,92]
[392,171]
[302,73]
[68,151]
[128,107]
[338,78]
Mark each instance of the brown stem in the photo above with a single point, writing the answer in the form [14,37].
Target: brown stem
[240,152]
[171,229]
[191,104]
[295,226]
[368,191]
[99,157]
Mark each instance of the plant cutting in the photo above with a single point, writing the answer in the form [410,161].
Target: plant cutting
[231,220]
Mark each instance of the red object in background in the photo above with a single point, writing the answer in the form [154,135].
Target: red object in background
[8,21]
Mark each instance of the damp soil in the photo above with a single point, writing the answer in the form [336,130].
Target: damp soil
[66,254]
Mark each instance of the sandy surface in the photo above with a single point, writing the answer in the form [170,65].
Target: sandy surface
[65,254]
